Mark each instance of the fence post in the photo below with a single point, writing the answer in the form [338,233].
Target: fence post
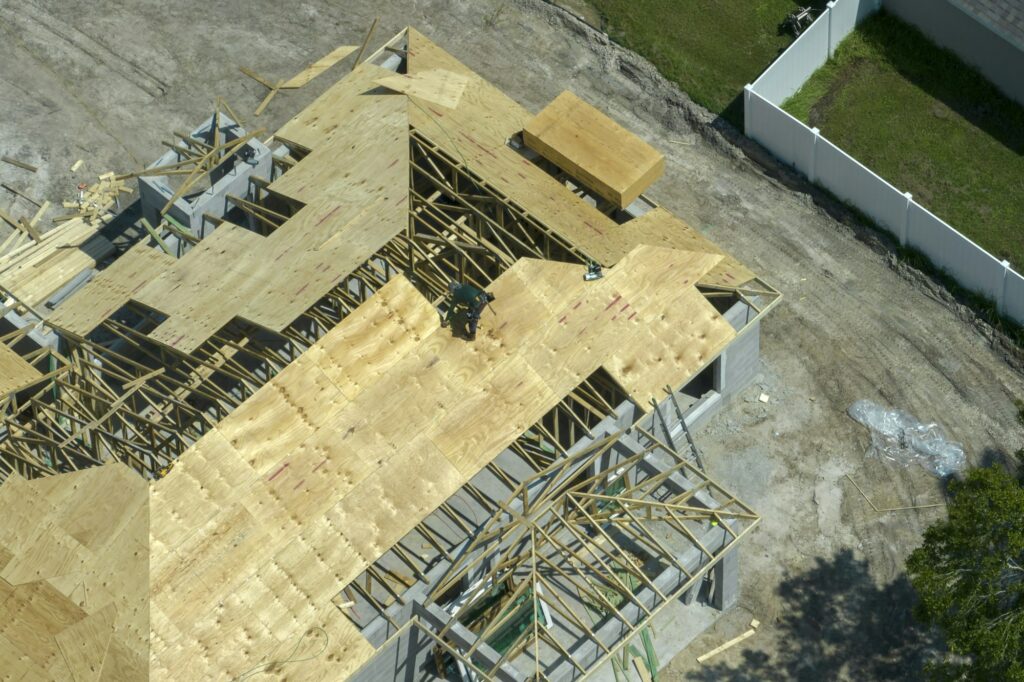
[747,89]
[828,10]
[1001,296]
[905,227]
[812,169]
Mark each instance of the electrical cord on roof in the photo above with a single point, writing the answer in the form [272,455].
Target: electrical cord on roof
[269,666]
[444,130]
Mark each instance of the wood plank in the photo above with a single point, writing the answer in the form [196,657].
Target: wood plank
[47,552]
[685,338]
[20,164]
[38,272]
[318,67]
[32,616]
[728,645]
[391,442]
[658,227]
[92,528]
[270,281]
[433,85]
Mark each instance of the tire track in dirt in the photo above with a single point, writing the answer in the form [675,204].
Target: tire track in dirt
[26,18]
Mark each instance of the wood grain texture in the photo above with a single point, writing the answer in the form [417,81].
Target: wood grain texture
[15,372]
[110,289]
[435,85]
[36,272]
[84,644]
[75,583]
[387,416]
[590,146]
[318,67]
[232,559]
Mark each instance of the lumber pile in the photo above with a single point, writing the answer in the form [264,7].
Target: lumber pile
[94,202]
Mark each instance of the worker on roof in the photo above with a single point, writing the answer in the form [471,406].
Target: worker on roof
[466,302]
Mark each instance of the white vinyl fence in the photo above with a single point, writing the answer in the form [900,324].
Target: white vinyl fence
[829,166]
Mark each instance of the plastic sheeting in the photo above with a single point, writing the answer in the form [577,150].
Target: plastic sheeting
[900,438]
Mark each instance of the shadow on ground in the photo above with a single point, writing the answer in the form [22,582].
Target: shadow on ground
[837,624]
[945,77]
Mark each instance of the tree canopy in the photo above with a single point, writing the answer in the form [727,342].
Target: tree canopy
[969,576]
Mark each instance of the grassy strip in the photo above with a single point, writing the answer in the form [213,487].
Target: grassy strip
[929,124]
[709,48]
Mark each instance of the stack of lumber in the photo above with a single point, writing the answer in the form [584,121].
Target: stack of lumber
[94,203]
[34,271]
[579,139]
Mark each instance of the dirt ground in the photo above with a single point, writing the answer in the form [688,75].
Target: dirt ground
[106,81]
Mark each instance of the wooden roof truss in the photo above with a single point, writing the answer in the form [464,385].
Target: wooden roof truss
[460,228]
[599,540]
[574,418]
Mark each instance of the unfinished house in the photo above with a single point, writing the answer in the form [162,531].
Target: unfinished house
[237,441]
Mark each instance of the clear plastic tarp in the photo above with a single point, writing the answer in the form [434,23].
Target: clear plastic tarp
[900,438]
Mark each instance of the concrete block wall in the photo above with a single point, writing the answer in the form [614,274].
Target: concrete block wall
[741,361]
[154,191]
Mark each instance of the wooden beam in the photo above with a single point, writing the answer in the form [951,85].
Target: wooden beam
[316,68]
[366,41]
[20,194]
[731,643]
[156,236]
[266,101]
[256,77]
[19,164]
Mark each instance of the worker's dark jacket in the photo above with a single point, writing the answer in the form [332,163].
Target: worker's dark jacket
[471,299]
[467,295]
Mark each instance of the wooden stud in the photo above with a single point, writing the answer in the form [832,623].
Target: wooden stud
[19,164]
[366,41]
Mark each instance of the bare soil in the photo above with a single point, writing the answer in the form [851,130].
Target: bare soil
[106,81]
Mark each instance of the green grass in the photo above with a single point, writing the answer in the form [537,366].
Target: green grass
[709,48]
[927,123]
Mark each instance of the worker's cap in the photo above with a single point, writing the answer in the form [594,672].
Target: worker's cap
[490,296]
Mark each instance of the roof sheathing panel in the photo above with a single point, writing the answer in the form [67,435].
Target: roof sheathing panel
[15,372]
[369,467]
[476,132]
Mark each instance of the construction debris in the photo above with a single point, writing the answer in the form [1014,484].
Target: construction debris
[891,509]
[19,164]
[95,201]
[76,165]
[900,438]
[731,643]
